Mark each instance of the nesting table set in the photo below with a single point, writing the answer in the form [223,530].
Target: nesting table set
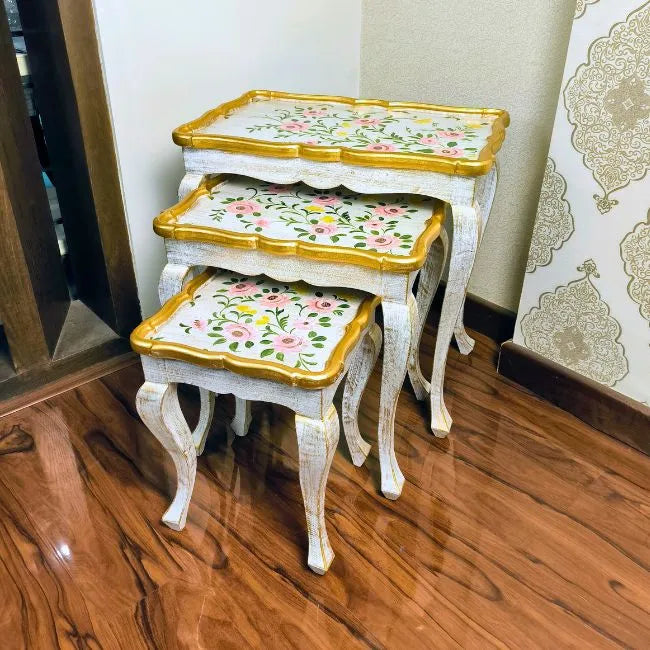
[308,211]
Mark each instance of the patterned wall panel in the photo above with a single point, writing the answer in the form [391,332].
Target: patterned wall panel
[586,297]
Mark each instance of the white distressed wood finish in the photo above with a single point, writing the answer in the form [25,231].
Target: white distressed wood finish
[467,227]
[189,183]
[460,191]
[200,433]
[317,440]
[427,287]
[157,404]
[355,384]
[242,419]
[400,321]
[485,189]
[316,423]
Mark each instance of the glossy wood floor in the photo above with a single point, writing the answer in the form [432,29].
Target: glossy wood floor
[526,528]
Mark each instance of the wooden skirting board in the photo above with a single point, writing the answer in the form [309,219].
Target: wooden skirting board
[603,408]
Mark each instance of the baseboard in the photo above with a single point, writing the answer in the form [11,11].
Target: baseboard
[482,316]
[36,384]
[601,407]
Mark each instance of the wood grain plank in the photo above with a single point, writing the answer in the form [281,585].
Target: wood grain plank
[525,528]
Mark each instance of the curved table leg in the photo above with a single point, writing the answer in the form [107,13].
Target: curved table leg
[464,341]
[317,440]
[427,287]
[242,419]
[172,280]
[400,321]
[355,383]
[467,228]
[200,433]
[158,407]
[188,184]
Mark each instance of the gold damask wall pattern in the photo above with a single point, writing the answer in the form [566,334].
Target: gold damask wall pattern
[597,322]
[572,326]
[635,252]
[581,7]
[608,105]
[554,221]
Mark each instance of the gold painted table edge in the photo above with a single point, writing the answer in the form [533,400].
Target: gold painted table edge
[186,136]
[241,366]
[166,225]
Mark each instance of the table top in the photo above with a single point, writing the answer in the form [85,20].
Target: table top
[376,133]
[259,327]
[390,232]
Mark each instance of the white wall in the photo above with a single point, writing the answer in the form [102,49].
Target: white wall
[167,62]
[507,54]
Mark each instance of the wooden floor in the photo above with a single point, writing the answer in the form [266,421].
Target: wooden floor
[526,528]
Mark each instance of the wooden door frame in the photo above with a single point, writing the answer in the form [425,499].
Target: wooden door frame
[36,300]
[83,50]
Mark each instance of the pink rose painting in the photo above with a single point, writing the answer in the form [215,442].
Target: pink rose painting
[262,222]
[275,188]
[326,199]
[243,207]
[367,121]
[323,228]
[428,140]
[451,135]
[303,323]
[310,142]
[274,300]
[450,152]
[389,210]
[289,343]
[242,289]
[382,242]
[200,324]
[378,146]
[239,332]
[296,127]
[322,305]
[314,112]
[373,223]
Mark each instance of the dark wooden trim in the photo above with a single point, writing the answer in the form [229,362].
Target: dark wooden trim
[600,406]
[34,297]
[56,104]
[78,23]
[481,315]
[38,384]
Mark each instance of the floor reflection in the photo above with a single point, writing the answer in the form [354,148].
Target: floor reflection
[524,528]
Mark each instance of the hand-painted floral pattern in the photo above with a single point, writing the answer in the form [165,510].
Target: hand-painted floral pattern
[572,326]
[388,223]
[608,104]
[554,221]
[635,251]
[258,318]
[448,134]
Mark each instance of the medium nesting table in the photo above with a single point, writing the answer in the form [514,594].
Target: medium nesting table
[370,147]
[376,244]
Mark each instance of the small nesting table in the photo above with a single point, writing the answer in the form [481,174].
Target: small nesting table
[338,238]
[259,339]
[370,147]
